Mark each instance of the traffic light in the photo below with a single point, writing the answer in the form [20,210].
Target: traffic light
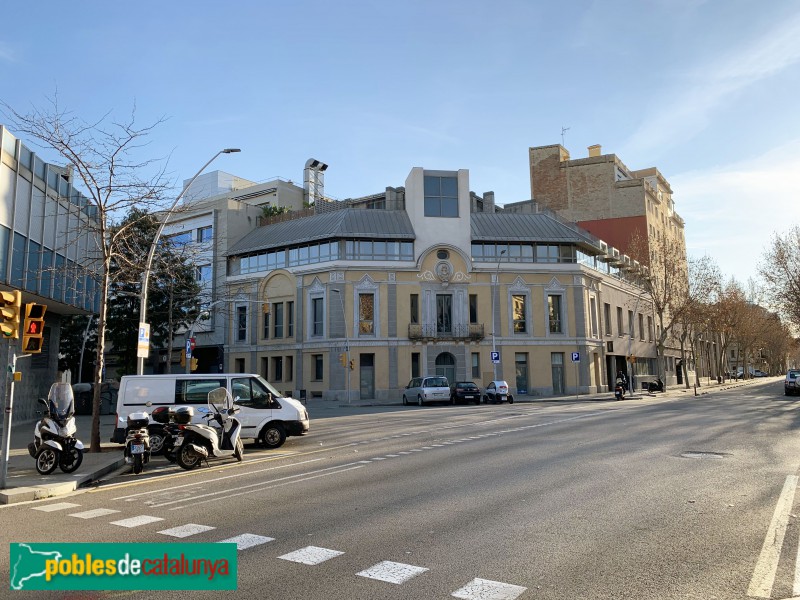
[33,328]
[194,364]
[183,358]
[10,306]
[352,364]
[343,359]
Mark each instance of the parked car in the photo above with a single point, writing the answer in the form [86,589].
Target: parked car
[427,389]
[497,391]
[791,385]
[759,373]
[462,392]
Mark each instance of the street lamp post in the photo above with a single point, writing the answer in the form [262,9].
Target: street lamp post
[346,342]
[149,263]
[495,289]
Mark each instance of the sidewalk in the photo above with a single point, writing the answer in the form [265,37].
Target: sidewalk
[24,483]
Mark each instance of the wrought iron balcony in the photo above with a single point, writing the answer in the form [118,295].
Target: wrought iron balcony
[472,332]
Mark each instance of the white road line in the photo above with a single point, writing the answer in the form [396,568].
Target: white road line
[311,555]
[392,572]
[485,589]
[97,512]
[767,565]
[187,530]
[137,521]
[58,506]
[247,540]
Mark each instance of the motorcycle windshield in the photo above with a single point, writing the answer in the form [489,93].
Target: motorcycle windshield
[61,401]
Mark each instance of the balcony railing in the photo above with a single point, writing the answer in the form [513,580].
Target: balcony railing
[431,331]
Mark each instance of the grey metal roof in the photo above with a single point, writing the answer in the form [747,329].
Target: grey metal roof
[343,223]
[529,227]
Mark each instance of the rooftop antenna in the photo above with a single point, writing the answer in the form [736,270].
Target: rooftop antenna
[563,131]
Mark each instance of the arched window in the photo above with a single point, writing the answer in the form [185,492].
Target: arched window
[446,366]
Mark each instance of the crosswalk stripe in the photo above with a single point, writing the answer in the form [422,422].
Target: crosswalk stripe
[57,506]
[311,555]
[137,521]
[247,540]
[97,512]
[392,572]
[483,589]
[187,530]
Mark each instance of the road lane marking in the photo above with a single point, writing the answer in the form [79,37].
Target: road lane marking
[311,555]
[486,589]
[137,521]
[392,572]
[767,565]
[57,506]
[247,540]
[187,530]
[91,514]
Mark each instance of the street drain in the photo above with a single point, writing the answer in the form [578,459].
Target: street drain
[693,454]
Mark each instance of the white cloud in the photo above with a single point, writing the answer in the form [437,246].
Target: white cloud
[709,86]
[732,212]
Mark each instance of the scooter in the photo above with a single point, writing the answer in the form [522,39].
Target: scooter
[655,386]
[137,441]
[619,392]
[201,442]
[54,442]
[171,421]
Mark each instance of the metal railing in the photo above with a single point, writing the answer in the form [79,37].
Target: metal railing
[432,331]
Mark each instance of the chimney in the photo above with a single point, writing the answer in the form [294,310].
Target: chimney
[595,150]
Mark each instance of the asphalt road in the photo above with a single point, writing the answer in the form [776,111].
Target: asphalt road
[643,499]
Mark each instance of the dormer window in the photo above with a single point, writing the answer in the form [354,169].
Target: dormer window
[441,196]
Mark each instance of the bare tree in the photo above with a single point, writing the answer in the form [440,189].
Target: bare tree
[666,284]
[696,320]
[105,157]
[780,270]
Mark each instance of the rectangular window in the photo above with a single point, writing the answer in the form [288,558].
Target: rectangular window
[441,196]
[318,367]
[444,313]
[238,367]
[620,324]
[593,316]
[277,368]
[277,320]
[18,260]
[607,317]
[473,308]
[266,323]
[205,234]
[290,319]
[631,329]
[415,364]
[289,361]
[203,274]
[554,313]
[264,367]
[641,326]
[650,328]
[317,314]
[241,323]
[476,365]
[518,313]
[366,314]
[413,304]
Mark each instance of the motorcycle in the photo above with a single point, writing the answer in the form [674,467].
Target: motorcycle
[655,386]
[54,442]
[137,441]
[201,442]
[170,424]
[619,391]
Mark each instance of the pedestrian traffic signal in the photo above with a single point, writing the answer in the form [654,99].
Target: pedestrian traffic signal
[183,358]
[194,364]
[33,329]
[10,306]
[352,364]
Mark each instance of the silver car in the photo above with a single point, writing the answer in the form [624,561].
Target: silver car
[434,388]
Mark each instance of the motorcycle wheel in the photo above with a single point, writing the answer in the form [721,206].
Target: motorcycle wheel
[187,459]
[71,460]
[238,453]
[47,460]
[157,439]
[137,463]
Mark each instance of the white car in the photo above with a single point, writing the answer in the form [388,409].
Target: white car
[497,391]
[427,389]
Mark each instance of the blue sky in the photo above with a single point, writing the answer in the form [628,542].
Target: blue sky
[704,90]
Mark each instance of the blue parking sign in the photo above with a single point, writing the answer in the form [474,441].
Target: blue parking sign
[495,357]
[576,357]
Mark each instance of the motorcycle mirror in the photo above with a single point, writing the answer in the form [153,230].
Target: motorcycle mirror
[42,401]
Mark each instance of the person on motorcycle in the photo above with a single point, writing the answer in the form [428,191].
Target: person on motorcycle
[621,382]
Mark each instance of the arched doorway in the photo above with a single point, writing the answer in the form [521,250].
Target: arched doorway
[446,366]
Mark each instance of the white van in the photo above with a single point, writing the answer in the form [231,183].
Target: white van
[266,415]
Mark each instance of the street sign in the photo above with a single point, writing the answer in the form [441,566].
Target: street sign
[192,340]
[576,357]
[189,346]
[496,357]
[143,345]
